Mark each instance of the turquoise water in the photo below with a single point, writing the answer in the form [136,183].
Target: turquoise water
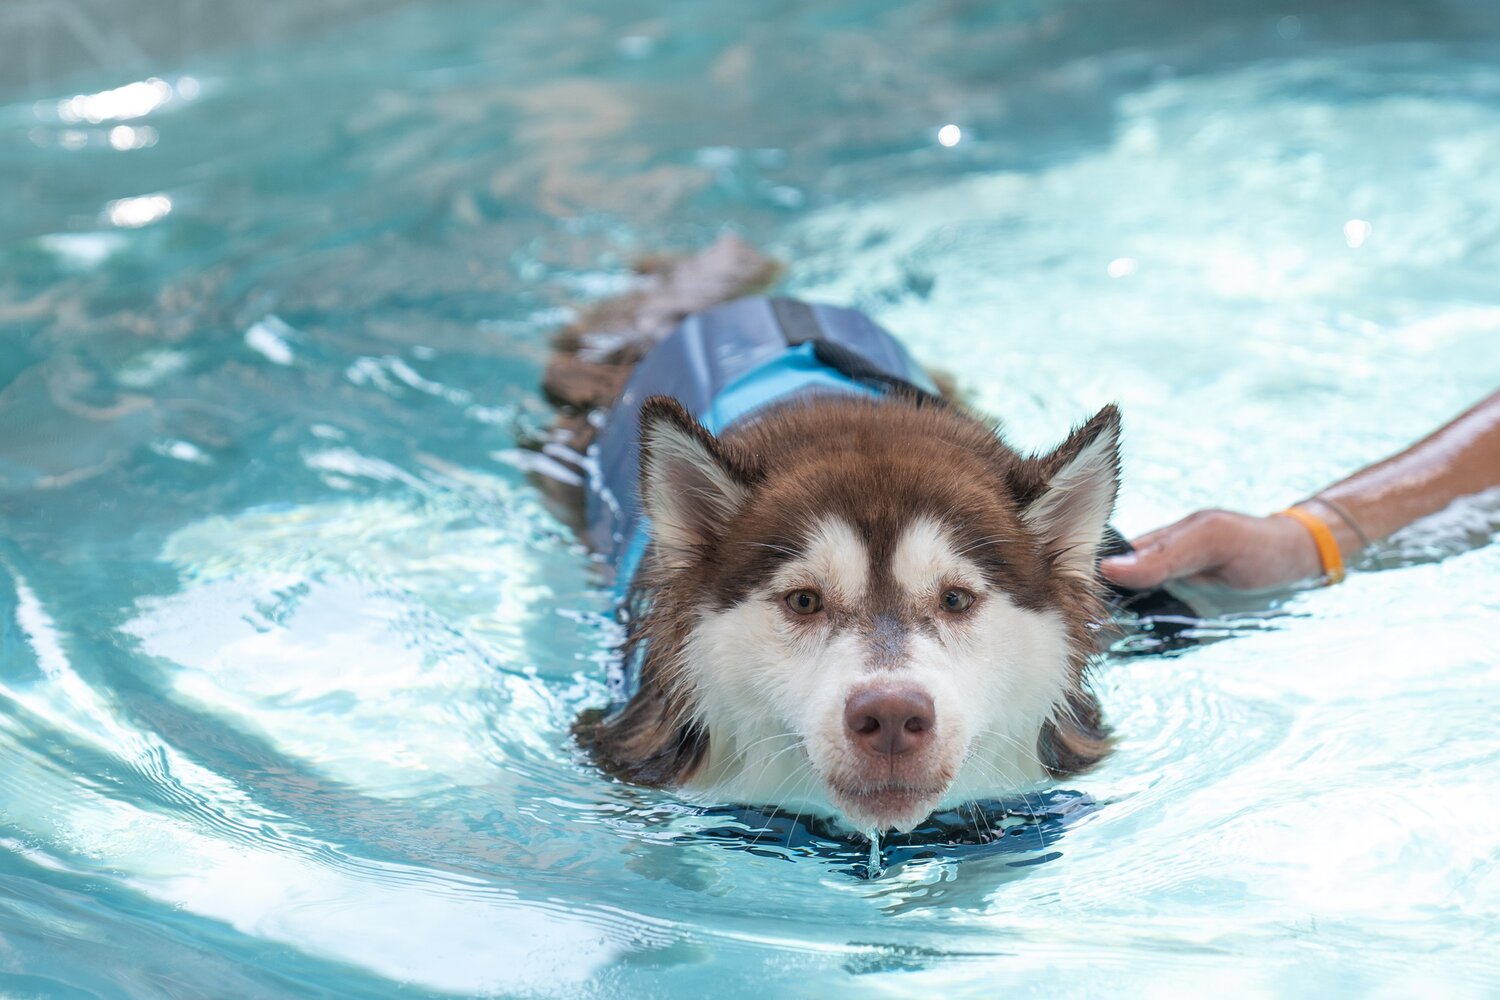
[290,646]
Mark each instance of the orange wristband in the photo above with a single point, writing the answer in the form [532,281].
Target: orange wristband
[1328,549]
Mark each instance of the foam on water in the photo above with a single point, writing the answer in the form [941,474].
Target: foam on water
[293,647]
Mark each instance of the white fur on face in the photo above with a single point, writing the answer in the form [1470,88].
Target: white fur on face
[923,562]
[771,690]
[833,560]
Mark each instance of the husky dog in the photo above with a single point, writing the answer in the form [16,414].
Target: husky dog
[847,596]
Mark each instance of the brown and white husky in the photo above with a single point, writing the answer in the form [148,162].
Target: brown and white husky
[866,607]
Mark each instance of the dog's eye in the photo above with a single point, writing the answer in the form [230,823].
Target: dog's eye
[805,602]
[956,600]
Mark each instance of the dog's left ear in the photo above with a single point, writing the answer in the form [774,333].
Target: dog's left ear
[1073,492]
[691,485]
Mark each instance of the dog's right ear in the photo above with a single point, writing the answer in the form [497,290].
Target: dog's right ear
[1073,494]
[690,485]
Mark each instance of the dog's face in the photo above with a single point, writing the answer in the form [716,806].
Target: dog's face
[878,609]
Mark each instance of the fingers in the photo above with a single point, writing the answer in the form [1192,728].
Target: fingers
[1186,548]
[1142,569]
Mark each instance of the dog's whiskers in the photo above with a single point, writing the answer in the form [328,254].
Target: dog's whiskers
[994,766]
[982,543]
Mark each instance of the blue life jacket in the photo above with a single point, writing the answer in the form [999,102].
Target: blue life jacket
[723,365]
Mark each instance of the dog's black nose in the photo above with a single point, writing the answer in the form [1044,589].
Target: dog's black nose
[889,721]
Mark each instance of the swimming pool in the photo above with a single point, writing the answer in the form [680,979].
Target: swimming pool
[291,646]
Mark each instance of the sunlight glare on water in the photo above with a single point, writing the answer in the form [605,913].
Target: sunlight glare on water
[292,645]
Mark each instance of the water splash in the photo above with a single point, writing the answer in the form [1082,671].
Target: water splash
[874,869]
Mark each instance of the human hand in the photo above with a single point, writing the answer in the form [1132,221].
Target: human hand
[1222,548]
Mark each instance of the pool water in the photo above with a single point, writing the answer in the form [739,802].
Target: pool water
[291,645]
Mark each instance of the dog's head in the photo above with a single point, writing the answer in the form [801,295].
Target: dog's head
[871,607]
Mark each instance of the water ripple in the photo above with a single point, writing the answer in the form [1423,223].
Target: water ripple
[290,647]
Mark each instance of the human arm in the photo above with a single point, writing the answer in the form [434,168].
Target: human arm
[1247,552]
